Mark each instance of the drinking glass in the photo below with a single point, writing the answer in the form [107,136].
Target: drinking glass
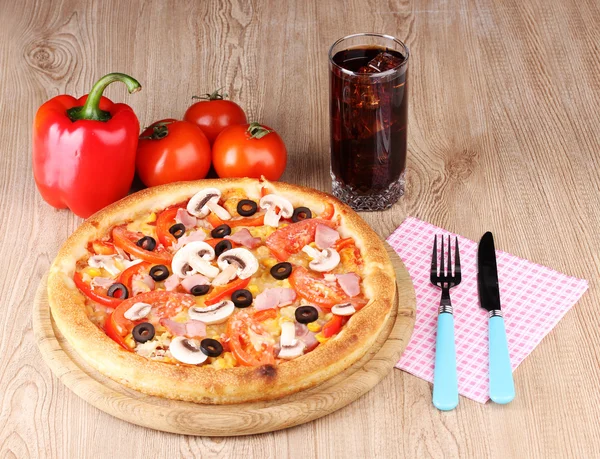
[368,109]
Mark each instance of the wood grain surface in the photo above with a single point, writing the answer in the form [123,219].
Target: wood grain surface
[503,135]
[228,420]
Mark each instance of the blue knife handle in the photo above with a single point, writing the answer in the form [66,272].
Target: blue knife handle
[445,381]
[502,386]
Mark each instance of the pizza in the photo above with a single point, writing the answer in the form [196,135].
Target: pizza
[222,291]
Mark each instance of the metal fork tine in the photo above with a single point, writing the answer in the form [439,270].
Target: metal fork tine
[442,270]
[434,260]
[457,260]
[449,257]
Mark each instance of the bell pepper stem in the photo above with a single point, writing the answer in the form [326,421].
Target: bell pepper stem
[91,108]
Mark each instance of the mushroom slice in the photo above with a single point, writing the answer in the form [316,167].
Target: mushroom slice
[324,260]
[205,201]
[138,311]
[105,261]
[288,334]
[243,259]
[290,346]
[194,258]
[276,207]
[343,309]
[228,274]
[187,350]
[291,352]
[215,314]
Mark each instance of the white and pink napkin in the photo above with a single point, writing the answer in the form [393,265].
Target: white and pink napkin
[534,298]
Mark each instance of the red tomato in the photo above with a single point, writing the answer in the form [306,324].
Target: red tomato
[213,114]
[97,294]
[249,150]
[315,289]
[172,151]
[164,304]
[164,221]
[127,240]
[222,291]
[243,349]
[290,239]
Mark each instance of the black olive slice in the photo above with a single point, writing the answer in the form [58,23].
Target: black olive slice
[281,270]
[177,230]
[147,243]
[143,332]
[159,272]
[198,290]
[118,287]
[246,207]
[222,246]
[221,231]
[242,298]
[306,314]
[211,347]
[301,213]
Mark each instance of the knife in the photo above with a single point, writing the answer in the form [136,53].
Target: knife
[502,386]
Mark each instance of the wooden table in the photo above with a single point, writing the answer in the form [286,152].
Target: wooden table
[503,134]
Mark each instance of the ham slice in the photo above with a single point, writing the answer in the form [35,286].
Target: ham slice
[306,336]
[350,283]
[142,283]
[309,341]
[194,236]
[103,282]
[245,238]
[195,328]
[147,279]
[196,279]
[175,328]
[191,329]
[171,282]
[189,221]
[325,236]
[274,297]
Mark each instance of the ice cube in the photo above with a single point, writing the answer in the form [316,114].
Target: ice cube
[382,62]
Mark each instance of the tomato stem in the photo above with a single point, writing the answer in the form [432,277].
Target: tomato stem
[91,108]
[159,131]
[216,95]
[257,131]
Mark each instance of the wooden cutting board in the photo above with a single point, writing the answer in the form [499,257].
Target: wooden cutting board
[227,420]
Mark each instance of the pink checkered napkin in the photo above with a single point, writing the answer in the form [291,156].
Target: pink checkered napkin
[534,298]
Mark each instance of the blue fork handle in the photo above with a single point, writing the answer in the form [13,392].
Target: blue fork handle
[502,386]
[445,381]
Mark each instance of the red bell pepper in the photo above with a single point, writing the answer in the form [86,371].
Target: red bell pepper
[84,149]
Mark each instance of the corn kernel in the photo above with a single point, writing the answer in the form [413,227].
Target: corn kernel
[92,272]
[253,289]
[314,327]
[130,341]
[269,262]
[151,218]
[320,338]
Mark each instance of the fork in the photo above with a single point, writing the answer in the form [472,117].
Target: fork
[445,381]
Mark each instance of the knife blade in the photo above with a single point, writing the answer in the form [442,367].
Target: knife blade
[502,387]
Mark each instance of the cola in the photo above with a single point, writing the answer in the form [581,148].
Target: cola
[369,106]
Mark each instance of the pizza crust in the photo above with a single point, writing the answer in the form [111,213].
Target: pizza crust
[206,384]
